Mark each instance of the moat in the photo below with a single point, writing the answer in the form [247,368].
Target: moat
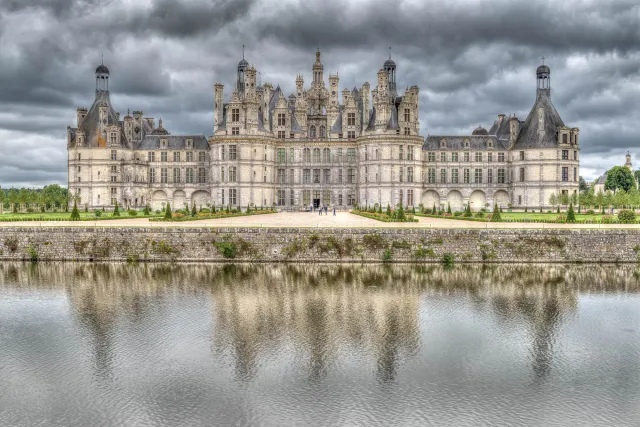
[319,345]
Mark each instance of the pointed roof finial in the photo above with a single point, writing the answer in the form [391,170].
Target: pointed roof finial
[543,60]
[242,51]
[389,52]
[103,59]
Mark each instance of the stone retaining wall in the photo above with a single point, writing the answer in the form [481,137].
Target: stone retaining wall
[317,244]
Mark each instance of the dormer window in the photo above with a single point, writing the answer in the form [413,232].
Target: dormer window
[443,143]
[189,143]
[163,143]
[490,144]
[466,143]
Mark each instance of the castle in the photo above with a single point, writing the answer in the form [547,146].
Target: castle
[319,146]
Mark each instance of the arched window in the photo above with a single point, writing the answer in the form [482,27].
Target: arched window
[322,131]
[316,155]
[306,155]
[312,132]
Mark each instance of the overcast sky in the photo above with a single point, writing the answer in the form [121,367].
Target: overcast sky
[471,59]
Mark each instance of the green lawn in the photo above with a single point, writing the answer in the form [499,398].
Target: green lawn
[546,216]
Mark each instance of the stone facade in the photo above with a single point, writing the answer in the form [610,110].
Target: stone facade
[328,245]
[320,146]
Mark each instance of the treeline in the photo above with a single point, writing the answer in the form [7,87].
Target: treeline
[47,198]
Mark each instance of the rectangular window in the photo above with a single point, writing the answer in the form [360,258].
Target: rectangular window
[466,176]
[431,156]
[443,176]
[575,155]
[501,176]
[454,176]
[235,114]
[176,156]
[410,197]
[410,152]
[202,156]
[407,131]
[339,199]
[339,155]
[478,176]
[232,174]
[189,175]
[306,197]
[233,196]
[454,157]
[401,174]
[407,115]
[489,157]
[351,119]
[222,177]
[222,194]
[443,157]
[326,176]
[501,157]
[490,176]
[281,197]
[151,156]
[163,156]
[565,154]
[351,173]
[114,178]
[291,155]
[351,155]
[565,174]
[233,152]
[291,175]
[202,175]
[401,152]
[176,174]
[306,176]
[163,175]
[223,152]
[522,174]
[291,197]
[152,175]
[113,154]
[316,176]
[400,197]
[280,174]
[282,134]
[189,156]
[575,174]
[410,174]
[564,138]
[281,155]
[114,169]
[339,176]
[282,119]
[235,131]
[431,177]
[466,157]
[114,191]
[478,157]
[522,155]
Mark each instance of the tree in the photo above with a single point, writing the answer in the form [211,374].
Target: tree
[619,177]
[571,216]
[193,208]
[388,210]
[636,175]
[553,199]
[116,210]
[147,210]
[167,211]
[582,185]
[380,208]
[75,215]
[449,208]
[213,208]
[496,217]
[467,211]
[401,216]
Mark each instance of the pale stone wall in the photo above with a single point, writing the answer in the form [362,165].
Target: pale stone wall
[318,244]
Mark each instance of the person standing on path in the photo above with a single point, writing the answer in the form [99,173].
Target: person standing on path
[334,211]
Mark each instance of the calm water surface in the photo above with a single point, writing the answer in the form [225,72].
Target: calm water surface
[272,345]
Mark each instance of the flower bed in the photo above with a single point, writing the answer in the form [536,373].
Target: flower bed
[383,217]
[177,217]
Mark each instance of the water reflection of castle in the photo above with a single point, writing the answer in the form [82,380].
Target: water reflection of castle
[325,313]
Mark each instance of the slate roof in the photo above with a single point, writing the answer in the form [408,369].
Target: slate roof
[372,119]
[530,135]
[337,126]
[174,142]
[90,124]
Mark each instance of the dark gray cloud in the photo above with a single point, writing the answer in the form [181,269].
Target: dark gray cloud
[471,59]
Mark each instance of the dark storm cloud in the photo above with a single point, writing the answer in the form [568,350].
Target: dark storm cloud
[471,59]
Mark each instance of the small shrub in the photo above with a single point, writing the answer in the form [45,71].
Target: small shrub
[387,255]
[571,216]
[457,214]
[167,211]
[227,249]
[146,211]
[590,212]
[607,219]
[98,214]
[448,259]
[373,241]
[116,210]
[132,212]
[163,248]
[480,214]
[313,240]
[11,243]
[33,253]
[627,216]
[75,215]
